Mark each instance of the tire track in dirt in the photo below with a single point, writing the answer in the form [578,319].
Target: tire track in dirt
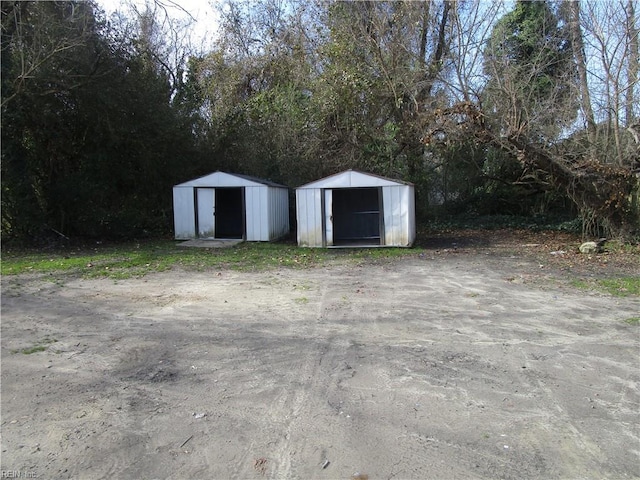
[286,412]
[302,419]
[582,451]
[391,371]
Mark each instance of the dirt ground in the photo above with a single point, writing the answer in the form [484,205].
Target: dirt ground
[468,359]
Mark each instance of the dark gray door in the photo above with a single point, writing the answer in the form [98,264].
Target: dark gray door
[357,216]
[229,213]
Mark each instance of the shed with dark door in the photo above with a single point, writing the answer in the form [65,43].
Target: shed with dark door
[230,206]
[353,208]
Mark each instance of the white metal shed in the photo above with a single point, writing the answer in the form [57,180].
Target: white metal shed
[230,205]
[352,208]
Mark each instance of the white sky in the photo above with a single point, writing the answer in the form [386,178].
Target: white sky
[206,17]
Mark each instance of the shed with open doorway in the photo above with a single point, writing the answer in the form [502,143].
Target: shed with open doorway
[230,206]
[356,209]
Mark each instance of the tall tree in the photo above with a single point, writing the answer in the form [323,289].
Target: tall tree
[611,39]
[577,47]
[91,143]
[530,69]
[633,67]
[528,108]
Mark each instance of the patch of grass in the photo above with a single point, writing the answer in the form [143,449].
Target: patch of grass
[136,259]
[578,283]
[619,287]
[633,321]
[615,246]
[34,349]
[377,253]
[496,222]
[40,346]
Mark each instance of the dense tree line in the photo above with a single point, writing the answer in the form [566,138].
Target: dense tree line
[525,108]
[92,135]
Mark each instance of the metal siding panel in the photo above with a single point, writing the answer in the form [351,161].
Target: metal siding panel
[396,210]
[249,214]
[275,216]
[301,223]
[403,220]
[403,225]
[309,219]
[205,198]
[309,216]
[256,213]
[306,216]
[408,225]
[387,203]
[316,208]
[272,213]
[252,215]
[397,215]
[184,220]
[402,232]
[279,215]
[261,210]
[267,213]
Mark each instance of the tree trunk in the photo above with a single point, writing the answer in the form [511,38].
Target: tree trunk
[601,192]
[632,68]
[434,67]
[578,52]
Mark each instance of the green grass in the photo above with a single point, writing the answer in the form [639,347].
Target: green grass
[619,287]
[34,349]
[140,258]
[633,321]
[494,222]
[40,346]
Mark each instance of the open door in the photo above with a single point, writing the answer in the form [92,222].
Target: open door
[205,206]
[229,213]
[357,216]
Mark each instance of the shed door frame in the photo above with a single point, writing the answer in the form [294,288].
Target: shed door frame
[329,227]
[205,201]
[327,217]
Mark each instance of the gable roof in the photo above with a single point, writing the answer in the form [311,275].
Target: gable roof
[223,179]
[353,179]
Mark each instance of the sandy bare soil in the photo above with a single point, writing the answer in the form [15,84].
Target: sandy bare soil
[427,367]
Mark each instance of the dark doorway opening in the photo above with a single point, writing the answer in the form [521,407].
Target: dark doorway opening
[356,216]
[229,213]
